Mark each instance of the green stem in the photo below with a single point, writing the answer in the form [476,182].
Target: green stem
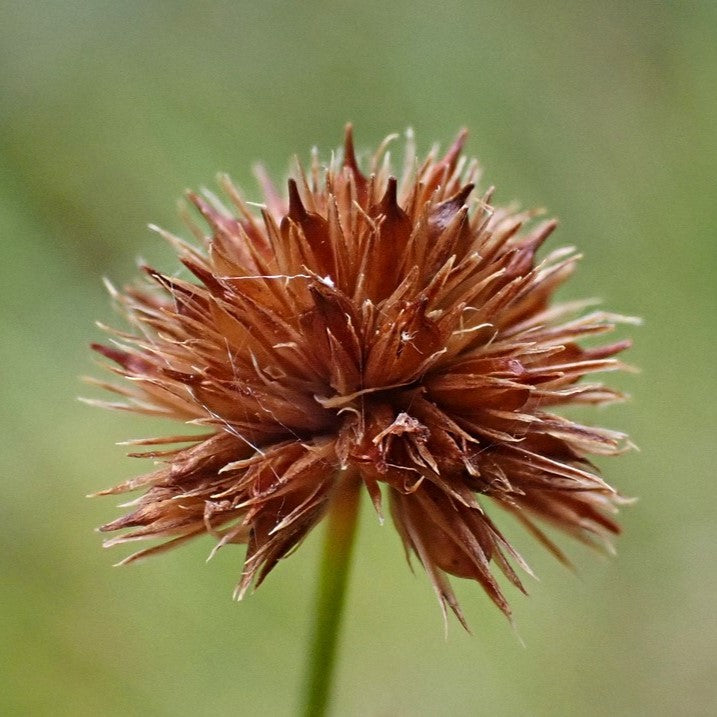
[335,561]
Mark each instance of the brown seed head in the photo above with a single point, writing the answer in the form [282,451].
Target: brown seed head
[400,329]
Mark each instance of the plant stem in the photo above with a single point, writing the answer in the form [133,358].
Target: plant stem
[335,561]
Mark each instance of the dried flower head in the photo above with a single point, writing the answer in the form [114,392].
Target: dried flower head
[399,330]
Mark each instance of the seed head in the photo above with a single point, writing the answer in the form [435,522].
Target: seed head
[398,329]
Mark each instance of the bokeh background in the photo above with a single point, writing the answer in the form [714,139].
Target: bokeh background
[604,112]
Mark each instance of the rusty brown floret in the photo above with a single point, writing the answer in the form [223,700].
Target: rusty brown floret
[397,330]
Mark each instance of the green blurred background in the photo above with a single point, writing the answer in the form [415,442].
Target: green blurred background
[604,112]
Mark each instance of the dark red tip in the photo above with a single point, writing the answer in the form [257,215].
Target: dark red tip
[204,275]
[540,234]
[349,152]
[110,353]
[389,201]
[126,360]
[454,151]
[297,210]
[601,352]
[460,197]
[202,205]
[351,162]
[443,214]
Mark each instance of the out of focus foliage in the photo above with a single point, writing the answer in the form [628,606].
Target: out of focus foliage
[602,112]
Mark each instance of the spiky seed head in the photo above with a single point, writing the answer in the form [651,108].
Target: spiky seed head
[398,328]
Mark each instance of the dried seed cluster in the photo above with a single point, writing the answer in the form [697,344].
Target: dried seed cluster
[397,329]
